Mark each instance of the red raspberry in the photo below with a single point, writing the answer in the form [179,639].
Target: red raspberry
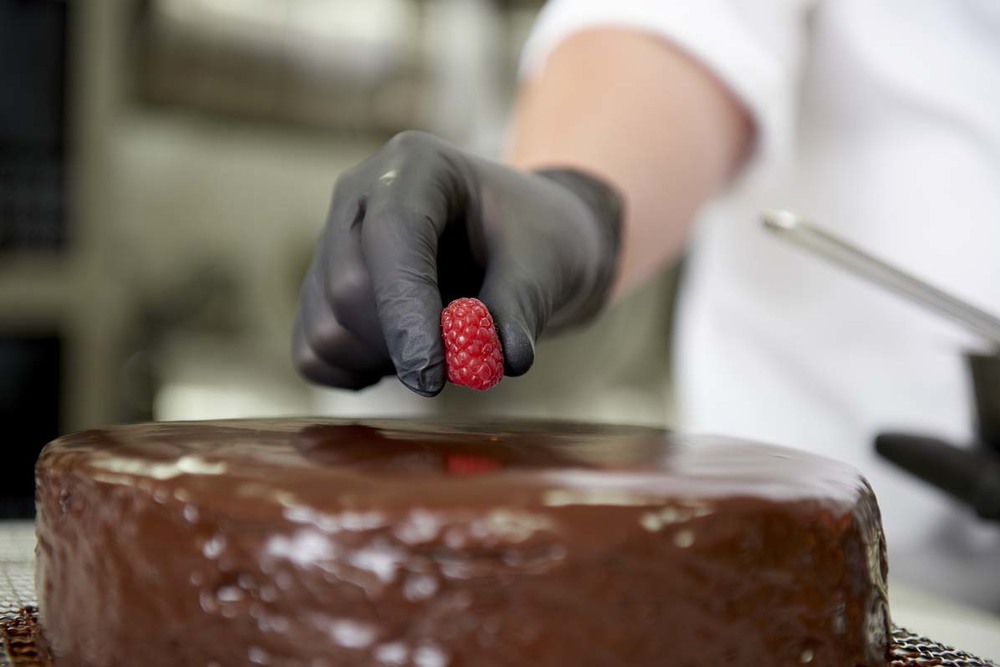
[470,464]
[471,345]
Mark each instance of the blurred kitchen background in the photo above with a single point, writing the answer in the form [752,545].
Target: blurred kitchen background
[165,168]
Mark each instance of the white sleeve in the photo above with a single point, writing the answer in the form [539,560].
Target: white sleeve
[753,46]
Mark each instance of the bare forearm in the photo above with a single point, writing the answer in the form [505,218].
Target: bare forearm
[641,114]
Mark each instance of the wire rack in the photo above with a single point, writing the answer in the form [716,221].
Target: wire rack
[17,599]
[17,573]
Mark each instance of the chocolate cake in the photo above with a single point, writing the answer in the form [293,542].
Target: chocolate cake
[311,544]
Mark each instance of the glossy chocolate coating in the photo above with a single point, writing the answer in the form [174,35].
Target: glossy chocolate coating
[306,544]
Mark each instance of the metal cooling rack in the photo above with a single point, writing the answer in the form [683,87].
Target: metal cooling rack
[17,571]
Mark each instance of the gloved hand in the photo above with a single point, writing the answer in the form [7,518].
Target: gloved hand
[421,223]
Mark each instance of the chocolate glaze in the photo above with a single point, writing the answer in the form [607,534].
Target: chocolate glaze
[305,543]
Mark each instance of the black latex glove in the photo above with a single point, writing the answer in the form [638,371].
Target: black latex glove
[421,223]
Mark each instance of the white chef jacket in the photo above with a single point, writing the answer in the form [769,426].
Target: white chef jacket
[879,119]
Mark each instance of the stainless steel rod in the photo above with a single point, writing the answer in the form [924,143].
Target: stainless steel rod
[806,235]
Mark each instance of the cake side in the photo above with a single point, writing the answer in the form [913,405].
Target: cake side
[580,564]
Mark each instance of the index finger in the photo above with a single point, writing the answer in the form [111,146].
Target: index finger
[406,213]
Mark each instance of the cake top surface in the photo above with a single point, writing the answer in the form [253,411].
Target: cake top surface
[353,465]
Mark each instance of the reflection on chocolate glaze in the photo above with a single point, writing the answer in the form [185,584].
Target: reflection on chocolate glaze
[389,450]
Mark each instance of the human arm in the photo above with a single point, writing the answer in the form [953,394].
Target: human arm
[641,114]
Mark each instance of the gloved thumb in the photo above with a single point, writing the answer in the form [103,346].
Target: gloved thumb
[520,309]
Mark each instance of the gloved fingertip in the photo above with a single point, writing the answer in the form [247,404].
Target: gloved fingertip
[317,372]
[427,381]
[518,348]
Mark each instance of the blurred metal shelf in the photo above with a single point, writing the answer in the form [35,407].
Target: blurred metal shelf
[35,290]
[331,64]
[447,66]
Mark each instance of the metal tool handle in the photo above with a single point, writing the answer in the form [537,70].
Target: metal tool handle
[971,475]
[791,227]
